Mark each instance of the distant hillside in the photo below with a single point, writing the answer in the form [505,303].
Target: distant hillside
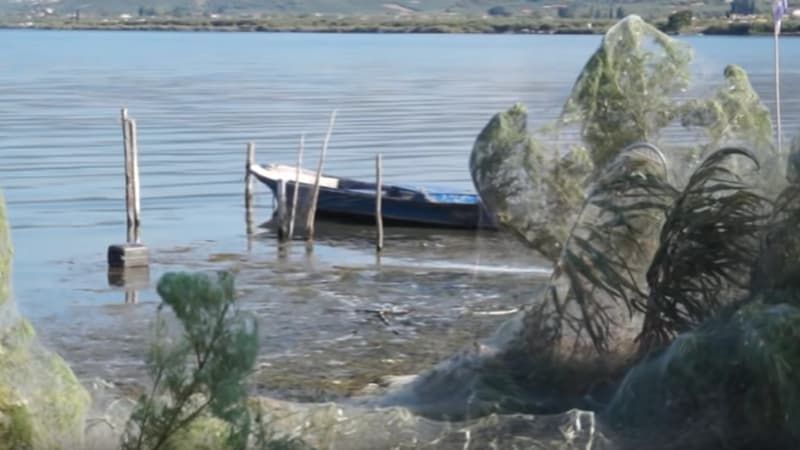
[228,8]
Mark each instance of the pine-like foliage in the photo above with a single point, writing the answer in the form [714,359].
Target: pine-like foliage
[200,371]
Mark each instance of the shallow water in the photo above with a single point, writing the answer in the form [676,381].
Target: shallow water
[198,98]
[321,334]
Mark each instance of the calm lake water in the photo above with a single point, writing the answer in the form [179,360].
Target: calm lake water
[198,99]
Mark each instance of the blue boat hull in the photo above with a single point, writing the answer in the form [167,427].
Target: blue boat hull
[400,206]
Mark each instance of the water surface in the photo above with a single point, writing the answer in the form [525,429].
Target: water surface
[198,98]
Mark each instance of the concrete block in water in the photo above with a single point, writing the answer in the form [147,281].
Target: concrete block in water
[128,255]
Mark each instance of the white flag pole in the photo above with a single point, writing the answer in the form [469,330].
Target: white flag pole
[779,9]
[778,86]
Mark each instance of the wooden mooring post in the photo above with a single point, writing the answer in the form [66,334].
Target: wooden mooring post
[293,212]
[378,202]
[248,189]
[312,209]
[131,254]
[134,163]
[280,213]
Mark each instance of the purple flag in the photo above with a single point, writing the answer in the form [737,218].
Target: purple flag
[779,8]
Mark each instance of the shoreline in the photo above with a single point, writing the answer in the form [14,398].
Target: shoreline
[460,25]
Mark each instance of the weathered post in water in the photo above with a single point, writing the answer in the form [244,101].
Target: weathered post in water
[134,163]
[126,144]
[378,201]
[312,209]
[281,211]
[248,187]
[131,254]
[296,185]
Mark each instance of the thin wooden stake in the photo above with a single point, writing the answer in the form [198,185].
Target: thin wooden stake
[296,185]
[132,253]
[248,176]
[134,149]
[378,201]
[126,142]
[312,210]
[281,212]
[248,190]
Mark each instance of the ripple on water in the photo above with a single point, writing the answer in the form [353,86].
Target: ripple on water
[419,100]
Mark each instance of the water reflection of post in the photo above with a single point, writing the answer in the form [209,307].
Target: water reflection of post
[482,218]
[282,253]
[131,279]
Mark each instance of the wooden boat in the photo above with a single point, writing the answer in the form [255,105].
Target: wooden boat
[353,200]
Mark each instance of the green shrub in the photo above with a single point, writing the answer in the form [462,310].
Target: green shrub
[198,374]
